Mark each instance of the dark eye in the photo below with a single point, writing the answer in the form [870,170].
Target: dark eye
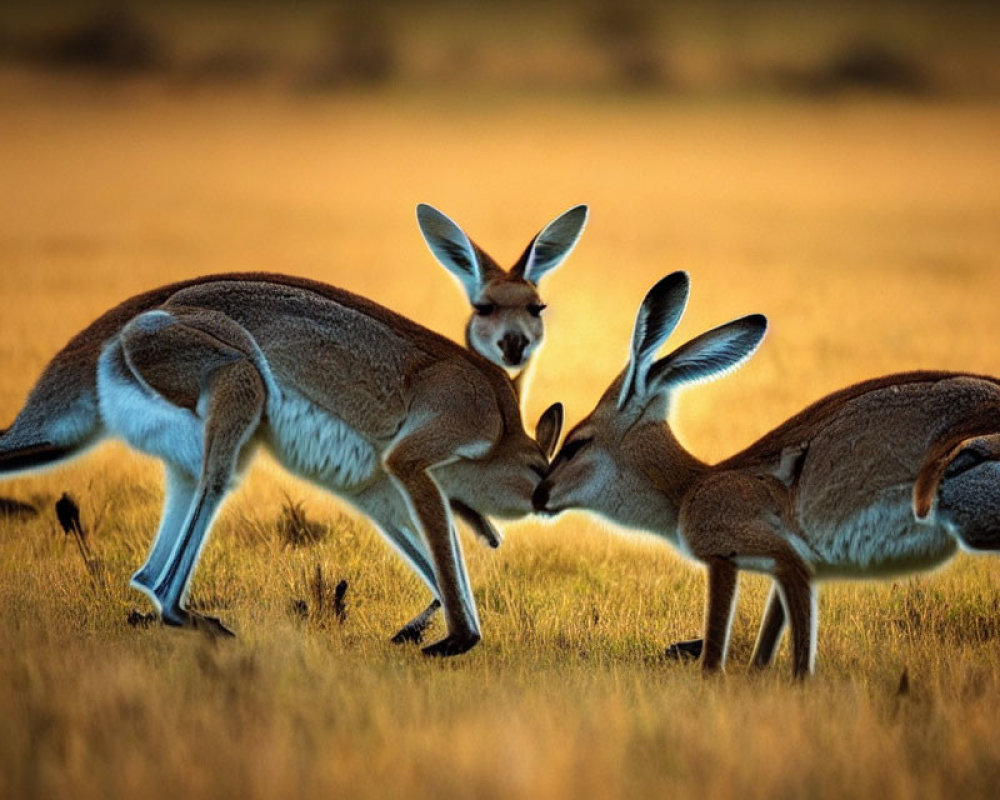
[570,449]
[536,309]
[484,309]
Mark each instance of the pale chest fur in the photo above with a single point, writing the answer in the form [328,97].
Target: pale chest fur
[315,444]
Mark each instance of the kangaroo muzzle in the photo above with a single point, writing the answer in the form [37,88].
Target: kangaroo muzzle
[540,497]
[512,345]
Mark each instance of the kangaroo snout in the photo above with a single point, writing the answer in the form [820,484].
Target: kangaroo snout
[512,344]
[540,497]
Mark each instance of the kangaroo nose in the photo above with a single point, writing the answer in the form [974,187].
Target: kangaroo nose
[540,498]
[512,346]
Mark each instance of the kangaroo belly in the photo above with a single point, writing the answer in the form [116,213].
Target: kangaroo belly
[879,540]
[316,445]
[144,419]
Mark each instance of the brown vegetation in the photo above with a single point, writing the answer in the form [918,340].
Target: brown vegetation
[866,232]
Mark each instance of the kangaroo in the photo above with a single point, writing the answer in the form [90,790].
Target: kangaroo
[506,325]
[886,477]
[388,415]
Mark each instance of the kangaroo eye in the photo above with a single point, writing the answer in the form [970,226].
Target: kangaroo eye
[484,309]
[570,449]
[536,309]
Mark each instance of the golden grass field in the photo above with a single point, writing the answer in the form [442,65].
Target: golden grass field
[867,230]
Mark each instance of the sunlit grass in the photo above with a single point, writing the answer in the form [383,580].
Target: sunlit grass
[866,232]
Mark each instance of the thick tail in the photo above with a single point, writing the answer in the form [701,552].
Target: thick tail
[59,421]
[38,456]
[948,459]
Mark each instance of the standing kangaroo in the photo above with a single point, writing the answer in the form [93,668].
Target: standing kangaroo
[386,414]
[885,477]
[506,324]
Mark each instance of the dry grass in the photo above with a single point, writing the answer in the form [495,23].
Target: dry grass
[867,232]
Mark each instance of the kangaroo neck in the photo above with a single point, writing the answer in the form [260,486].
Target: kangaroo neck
[669,472]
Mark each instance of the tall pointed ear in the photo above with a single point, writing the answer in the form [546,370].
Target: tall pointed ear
[711,355]
[451,247]
[548,429]
[553,244]
[658,315]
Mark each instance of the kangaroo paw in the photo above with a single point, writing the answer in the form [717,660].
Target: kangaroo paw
[452,645]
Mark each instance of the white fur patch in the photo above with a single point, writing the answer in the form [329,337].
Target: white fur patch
[314,444]
[880,540]
[143,418]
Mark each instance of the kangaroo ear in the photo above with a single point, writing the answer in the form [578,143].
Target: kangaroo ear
[451,247]
[661,310]
[553,244]
[548,429]
[711,355]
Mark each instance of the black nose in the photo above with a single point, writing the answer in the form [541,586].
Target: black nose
[512,346]
[540,498]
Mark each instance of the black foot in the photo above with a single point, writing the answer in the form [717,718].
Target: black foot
[682,651]
[413,631]
[212,626]
[452,645]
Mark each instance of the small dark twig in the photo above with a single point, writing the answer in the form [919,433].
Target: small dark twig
[68,514]
[339,609]
[324,600]
[904,683]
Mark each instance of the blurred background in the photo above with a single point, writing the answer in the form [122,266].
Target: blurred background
[833,165]
[803,48]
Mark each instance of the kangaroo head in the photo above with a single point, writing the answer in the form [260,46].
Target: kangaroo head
[506,325]
[622,456]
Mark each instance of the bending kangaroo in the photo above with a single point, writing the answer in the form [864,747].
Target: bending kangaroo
[885,477]
[506,326]
[386,414]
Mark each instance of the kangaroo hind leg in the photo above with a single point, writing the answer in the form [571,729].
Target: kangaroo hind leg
[772,625]
[235,409]
[201,361]
[176,504]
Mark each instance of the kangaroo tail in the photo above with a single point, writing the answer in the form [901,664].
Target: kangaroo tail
[59,420]
[947,459]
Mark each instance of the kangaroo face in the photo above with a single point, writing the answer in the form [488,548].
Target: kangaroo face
[506,326]
[588,472]
[504,485]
